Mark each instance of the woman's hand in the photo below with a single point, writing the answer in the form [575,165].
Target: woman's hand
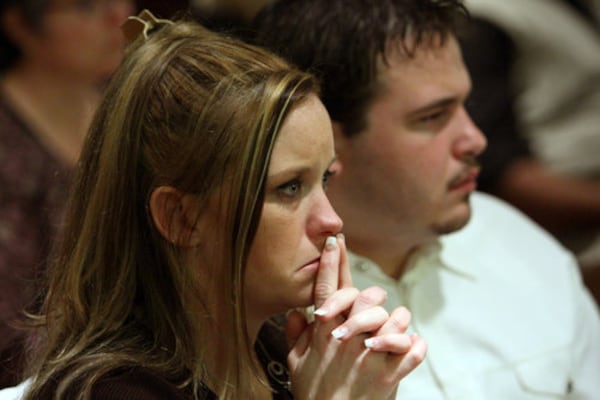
[354,349]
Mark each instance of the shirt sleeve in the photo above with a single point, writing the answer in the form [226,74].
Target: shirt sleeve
[586,346]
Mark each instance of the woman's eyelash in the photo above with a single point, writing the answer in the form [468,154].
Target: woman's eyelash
[291,188]
[327,175]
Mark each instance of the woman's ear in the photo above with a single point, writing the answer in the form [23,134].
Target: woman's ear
[175,215]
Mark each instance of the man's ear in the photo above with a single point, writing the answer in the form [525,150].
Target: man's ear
[175,215]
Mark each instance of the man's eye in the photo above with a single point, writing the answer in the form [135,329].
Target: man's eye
[432,116]
[290,189]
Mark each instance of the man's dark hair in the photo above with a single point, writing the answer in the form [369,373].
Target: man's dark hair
[342,41]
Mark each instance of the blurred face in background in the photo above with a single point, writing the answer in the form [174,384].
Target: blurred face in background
[80,39]
[245,9]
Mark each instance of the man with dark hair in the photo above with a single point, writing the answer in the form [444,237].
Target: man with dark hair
[499,301]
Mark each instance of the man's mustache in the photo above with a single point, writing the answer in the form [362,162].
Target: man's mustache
[471,161]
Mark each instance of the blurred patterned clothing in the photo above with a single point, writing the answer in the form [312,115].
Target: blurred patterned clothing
[33,188]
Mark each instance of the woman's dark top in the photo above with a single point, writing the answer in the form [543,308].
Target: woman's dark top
[142,384]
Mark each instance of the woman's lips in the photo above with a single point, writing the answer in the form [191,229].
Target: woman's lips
[311,265]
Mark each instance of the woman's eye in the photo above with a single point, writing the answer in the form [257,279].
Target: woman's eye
[327,175]
[291,188]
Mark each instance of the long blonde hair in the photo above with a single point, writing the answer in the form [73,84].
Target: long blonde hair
[194,110]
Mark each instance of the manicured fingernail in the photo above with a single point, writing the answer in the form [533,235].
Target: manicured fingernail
[321,312]
[340,236]
[331,243]
[370,342]
[339,332]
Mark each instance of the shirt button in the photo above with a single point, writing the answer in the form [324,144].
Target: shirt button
[364,267]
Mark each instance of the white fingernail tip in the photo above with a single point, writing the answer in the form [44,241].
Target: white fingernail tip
[370,343]
[321,312]
[331,242]
[339,332]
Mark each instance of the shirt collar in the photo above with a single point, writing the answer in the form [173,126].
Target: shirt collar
[429,256]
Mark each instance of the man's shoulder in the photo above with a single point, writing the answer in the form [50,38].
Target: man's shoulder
[491,216]
[499,233]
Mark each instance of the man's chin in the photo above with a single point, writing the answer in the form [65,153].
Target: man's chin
[456,219]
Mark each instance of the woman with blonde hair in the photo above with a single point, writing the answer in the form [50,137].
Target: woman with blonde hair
[198,213]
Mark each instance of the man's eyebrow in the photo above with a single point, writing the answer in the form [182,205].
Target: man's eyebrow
[441,103]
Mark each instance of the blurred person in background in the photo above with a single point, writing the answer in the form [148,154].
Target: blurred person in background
[164,9]
[231,16]
[55,56]
[535,67]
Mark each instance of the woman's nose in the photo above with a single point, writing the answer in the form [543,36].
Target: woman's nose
[324,221]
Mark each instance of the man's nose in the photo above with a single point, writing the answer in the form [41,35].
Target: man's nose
[471,141]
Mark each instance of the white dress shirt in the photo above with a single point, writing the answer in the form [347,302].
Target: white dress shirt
[503,309]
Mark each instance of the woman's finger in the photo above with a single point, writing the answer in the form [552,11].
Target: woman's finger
[395,343]
[345,277]
[368,298]
[365,322]
[408,362]
[327,280]
[340,302]
[299,336]
[294,327]
[398,322]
